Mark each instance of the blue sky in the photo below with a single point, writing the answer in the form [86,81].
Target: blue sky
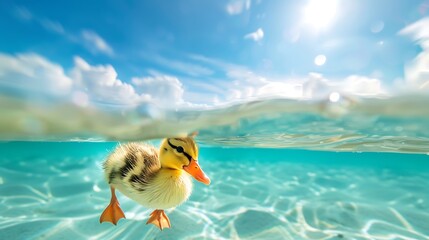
[200,51]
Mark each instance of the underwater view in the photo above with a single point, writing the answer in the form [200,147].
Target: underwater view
[230,119]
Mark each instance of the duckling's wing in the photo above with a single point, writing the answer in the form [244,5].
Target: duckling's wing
[132,164]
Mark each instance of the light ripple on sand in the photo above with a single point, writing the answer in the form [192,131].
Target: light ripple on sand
[247,200]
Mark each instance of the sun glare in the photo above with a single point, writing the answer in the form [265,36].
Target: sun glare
[319,14]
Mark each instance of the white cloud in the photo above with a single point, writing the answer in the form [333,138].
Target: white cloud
[52,26]
[281,89]
[26,15]
[246,84]
[183,67]
[215,62]
[86,84]
[250,85]
[417,73]
[31,71]
[95,43]
[102,85]
[419,31]
[87,38]
[23,13]
[165,91]
[255,36]
[362,86]
[268,90]
[315,86]
[235,7]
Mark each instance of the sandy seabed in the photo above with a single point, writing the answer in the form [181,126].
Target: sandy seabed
[42,197]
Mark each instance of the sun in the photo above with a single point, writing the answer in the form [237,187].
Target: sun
[319,14]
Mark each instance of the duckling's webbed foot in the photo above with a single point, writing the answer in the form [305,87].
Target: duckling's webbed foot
[159,219]
[113,211]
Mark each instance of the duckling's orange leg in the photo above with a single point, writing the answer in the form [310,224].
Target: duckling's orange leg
[159,219]
[113,211]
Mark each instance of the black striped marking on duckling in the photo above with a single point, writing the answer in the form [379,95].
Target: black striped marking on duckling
[189,142]
[179,149]
[147,171]
[130,162]
[138,182]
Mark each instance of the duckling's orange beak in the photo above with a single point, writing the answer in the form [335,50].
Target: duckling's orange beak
[195,170]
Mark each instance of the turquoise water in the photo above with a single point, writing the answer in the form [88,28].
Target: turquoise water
[56,190]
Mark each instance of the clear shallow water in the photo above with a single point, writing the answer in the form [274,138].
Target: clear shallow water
[57,191]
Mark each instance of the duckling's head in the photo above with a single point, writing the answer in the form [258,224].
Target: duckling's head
[182,154]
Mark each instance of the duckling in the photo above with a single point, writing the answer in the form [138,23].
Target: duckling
[155,179]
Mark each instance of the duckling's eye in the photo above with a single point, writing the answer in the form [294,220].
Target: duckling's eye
[179,149]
